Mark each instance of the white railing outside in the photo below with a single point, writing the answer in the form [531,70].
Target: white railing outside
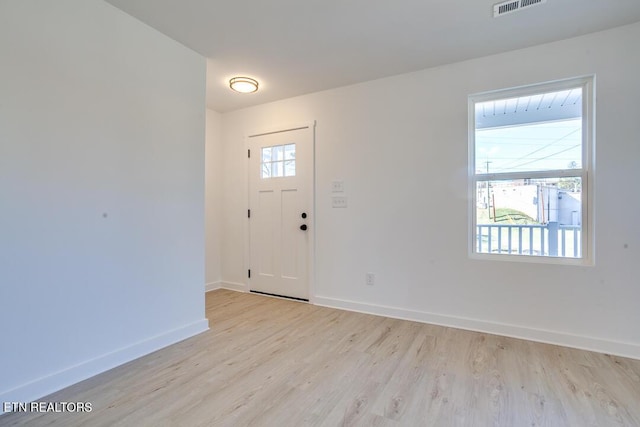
[538,240]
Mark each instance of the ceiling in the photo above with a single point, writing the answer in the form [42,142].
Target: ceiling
[294,47]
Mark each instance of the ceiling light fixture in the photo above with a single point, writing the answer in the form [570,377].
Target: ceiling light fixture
[243,84]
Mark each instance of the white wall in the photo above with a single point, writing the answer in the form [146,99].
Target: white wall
[213,197]
[101,192]
[400,145]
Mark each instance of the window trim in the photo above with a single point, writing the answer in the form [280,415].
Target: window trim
[585,173]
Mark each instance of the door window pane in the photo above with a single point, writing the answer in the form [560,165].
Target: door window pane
[277,153]
[278,161]
[266,170]
[290,152]
[266,154]
[290,168]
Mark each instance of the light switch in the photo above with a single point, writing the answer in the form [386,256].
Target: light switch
[339,201]
[337,186]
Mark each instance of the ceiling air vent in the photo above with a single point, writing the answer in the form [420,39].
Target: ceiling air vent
[514,6]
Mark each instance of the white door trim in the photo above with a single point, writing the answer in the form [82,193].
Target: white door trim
[312,226]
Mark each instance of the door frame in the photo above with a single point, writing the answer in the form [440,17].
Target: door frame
[311,255]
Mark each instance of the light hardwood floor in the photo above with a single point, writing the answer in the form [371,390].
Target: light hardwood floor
[271,362]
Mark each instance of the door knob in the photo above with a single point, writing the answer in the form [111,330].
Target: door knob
[303,227]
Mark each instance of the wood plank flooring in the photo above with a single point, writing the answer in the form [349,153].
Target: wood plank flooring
[272,362]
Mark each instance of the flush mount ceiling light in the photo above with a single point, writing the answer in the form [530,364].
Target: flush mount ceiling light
[243,84]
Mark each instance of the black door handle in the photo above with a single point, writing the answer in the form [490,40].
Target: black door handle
[303,227]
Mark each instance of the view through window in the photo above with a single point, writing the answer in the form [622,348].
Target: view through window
[529,177]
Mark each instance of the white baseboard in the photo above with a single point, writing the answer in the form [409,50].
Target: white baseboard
[232,286]
[56,381]
[540,335]
[212,286]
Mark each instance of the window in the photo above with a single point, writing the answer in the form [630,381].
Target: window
[530,177]
[278,161]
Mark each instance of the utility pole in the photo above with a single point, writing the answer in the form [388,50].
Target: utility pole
[488,162]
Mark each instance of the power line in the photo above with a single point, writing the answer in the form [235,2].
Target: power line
[540,149]
[545,157]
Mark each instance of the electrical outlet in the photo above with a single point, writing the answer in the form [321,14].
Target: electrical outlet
[371,279]
[337,186]
[339,201]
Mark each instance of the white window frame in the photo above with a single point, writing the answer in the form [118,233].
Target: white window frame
[585,173]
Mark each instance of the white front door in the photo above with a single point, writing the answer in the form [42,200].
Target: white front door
[280,211]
